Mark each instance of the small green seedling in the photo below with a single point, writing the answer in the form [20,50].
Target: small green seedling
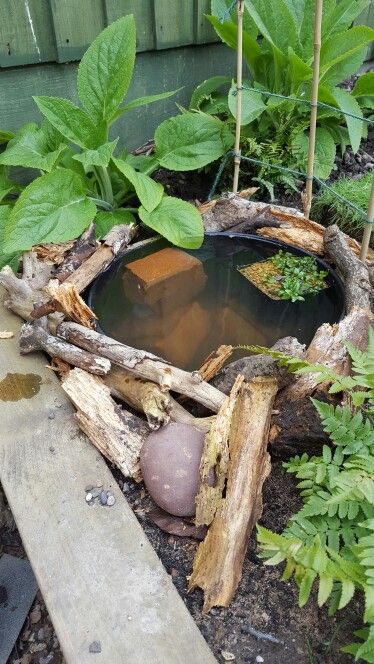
[297,276]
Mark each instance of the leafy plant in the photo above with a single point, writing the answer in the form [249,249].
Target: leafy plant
[329,543]
[82,177]
[328,209]
[278,52]
[298,276]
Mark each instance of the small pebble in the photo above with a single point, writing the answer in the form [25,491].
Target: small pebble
[126,487]
[95,493]
[41,634]
[88,497]
[35,616]
[99,484]
[89,487]
[103,497]
[227,656]
[47,659]
[259,658]
[110,500]
[51,415]
[95,647]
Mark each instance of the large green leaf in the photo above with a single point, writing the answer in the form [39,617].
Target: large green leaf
[106,68]
[99,157]
[6,259]
[364,85]
[30,148]
[252,105]
[105,220]
[275,22]
[71,121]
[219,9]
[298,71]
[144,101]
[178,221]
[342,46]
[228,32]
[53,208]
[189,141]
[147,190]
[343,15]
[5,136]
[324,153]
[346,102]
[205,89]
[6,185]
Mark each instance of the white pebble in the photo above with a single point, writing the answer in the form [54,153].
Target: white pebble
[110,500]
[88,497]
[259,658]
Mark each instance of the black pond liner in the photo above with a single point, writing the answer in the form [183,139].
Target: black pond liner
[229,309]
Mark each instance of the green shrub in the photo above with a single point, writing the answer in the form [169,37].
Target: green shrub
[329,543]
[278,52]
[328,209]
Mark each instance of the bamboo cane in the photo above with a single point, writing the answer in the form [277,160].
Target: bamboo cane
[313,110]
[369,226]
[239,84]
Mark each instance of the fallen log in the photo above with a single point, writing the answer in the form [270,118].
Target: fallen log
[114,243]
[233,212]
[219,560]
[34,337]
[147,397]
[116,433]
[357,286]
[144,365]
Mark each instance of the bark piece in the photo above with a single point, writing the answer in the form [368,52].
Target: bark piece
[116,433]
[147,397]
[66,299]
[219,560]
[260,365]
[53,253]
[34,336]
[215,459]
[236,213]
[214,362]
[114,243]
[80,251]
[357,286]
[144,365]
[24,292]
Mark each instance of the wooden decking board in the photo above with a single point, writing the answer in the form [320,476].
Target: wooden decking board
[100,578]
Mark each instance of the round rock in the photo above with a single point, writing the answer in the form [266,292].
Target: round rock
[169,461]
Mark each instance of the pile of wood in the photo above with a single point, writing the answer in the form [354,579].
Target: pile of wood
[258,406]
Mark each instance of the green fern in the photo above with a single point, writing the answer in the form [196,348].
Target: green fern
[329,543]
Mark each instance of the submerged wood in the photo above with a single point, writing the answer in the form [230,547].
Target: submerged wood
[147,397]
[357,287]
[116,433]
[219,560]
[144,365]
[35,336]
[215,459]
[114,243]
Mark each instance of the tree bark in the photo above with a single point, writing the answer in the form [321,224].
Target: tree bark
[116,433]
[67,300]
[24,292]
[144,365]
[219,560]
[82,249]
[357,286]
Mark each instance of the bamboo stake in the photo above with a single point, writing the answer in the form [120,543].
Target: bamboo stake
[368,226]
[313,110]
[239,85]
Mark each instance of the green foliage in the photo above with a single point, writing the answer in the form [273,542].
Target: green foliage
[298,276]
[80,174]
[280,62]
[328,209]
[329,543]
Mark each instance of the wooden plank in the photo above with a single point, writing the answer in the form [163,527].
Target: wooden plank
[174,23]
[76,24]
[144,18]
[100,578]
[26,32]
[204,32]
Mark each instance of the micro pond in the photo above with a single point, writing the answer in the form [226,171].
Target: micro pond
[181,305]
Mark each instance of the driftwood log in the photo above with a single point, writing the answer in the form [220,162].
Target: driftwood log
[357,286]
[114,243]
[24,292]
[147,397]
[219,560]
[82,249]
[35,337]
[116,433]
[144,365]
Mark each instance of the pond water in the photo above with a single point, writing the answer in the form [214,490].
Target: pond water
[181,305]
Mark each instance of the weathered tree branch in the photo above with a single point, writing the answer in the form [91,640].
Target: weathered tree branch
[144,365]
[24,292]
[82,249]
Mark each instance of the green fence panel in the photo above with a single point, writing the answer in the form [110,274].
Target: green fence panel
[204,31]
[174,23]
[76,25]
[144,19]
[26,32]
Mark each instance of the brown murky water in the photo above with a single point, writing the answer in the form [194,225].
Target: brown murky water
[182,305]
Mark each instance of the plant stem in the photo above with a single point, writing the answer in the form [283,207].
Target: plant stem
[105,184]
[100,203]
[239,84]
